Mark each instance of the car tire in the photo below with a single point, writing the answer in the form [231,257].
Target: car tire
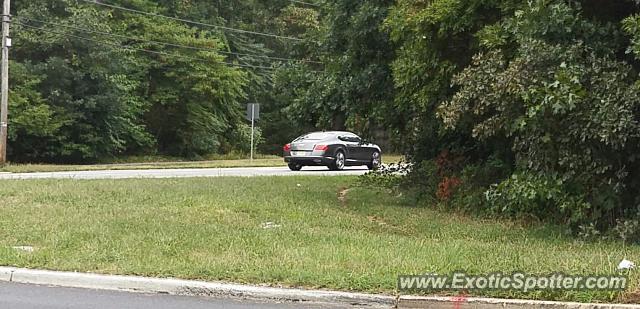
[376,161]
[295,167]
[338,162]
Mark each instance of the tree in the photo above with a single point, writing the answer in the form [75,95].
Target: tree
[113,97]
[549,81]
[356,81]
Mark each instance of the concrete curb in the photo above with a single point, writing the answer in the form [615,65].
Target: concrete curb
[201,288]
[490,303]
[187,288]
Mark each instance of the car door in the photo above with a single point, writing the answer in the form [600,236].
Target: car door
[351,145]
[358,152]
[366,151]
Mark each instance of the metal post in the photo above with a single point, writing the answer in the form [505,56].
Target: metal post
[4,87]
[253,116]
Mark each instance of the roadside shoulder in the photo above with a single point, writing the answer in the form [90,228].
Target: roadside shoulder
[228,290]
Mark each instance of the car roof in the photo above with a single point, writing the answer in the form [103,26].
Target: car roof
[332,133]
[324,134]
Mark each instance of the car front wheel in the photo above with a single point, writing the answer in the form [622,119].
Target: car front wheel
[295,167]
[376,161]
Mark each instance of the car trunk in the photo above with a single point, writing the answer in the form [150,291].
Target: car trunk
[303,148]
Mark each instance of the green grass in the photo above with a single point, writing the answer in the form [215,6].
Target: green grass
[32,168]
[211,229]
[165,158]
[159,162]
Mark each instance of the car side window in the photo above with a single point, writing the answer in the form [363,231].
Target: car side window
[350,138]
[354,138]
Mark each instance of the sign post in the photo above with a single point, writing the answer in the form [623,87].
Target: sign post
[253,114]
[253,121]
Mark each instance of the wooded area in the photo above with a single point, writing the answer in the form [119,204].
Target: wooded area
[519,107]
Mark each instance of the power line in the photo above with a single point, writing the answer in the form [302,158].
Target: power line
[193,22]
[144,50]
[305,3]
[166,43]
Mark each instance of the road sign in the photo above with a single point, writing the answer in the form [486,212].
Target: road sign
[253,111]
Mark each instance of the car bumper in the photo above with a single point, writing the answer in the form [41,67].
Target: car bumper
[309,160]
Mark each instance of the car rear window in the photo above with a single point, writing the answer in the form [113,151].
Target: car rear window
[315,136]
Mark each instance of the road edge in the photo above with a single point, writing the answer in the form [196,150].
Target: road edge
[228,290]
[187,287]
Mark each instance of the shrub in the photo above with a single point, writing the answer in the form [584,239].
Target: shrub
[542,196]
[568,107]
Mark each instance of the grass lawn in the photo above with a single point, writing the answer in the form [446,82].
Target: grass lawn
[159,163]
[214,229]
[31,168]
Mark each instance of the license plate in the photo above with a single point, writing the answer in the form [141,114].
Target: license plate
[299,153]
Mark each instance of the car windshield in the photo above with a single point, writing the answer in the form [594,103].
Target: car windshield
[314,136]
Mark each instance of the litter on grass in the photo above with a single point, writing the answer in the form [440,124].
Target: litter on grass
[28,249]
[270,225]
[626,264]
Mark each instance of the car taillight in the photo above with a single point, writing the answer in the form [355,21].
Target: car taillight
[321,147]
[286,147]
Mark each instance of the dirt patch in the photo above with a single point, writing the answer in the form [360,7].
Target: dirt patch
[381,223]
[342,195]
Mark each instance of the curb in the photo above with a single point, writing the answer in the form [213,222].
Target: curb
[216,289]
[415,302]
[187,287]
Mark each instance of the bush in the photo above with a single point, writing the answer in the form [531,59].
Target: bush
[548,84]
[417,180]
[544,197]
[240,139]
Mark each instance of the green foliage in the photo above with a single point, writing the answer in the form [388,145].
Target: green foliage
[632,26]
[390,177]
[356,81]
[538,196]
[543,89]
[286,115]
[240,139]
[568,106]
[435,40]
[33,121]
[82,100]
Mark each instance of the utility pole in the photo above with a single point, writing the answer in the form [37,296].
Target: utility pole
[4,84]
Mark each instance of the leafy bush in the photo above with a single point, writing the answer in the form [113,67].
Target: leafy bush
[240,139]
[418,180]
[543,197]
[549,82]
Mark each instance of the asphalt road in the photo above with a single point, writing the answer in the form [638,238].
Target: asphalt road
[22,296]
[184,173]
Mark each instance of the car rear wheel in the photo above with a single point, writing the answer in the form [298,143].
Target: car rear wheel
[376,161]
[295,167]
[338,162]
